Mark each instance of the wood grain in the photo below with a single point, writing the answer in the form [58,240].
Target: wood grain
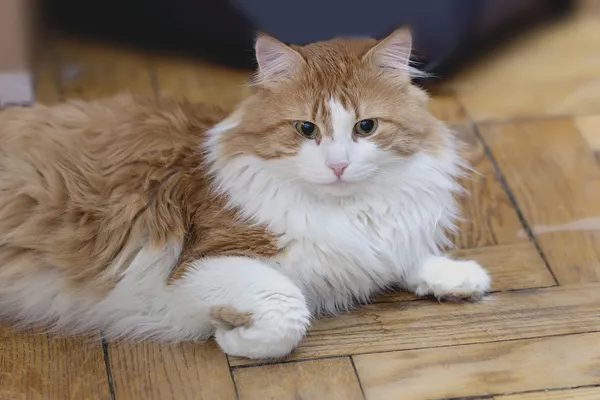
[422,324]
[483,369]
[317,379]
[592,393]
[556,182]
[200,81]
[163,371]
[35,365]
[91,71]
[516,266]
[488,217]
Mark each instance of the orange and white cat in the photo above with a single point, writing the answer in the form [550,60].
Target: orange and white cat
[148,218]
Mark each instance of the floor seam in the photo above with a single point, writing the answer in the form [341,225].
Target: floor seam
[252,365]
[360,385]
[235,388]
[512,198]
[109,376]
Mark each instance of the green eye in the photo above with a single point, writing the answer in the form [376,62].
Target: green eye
[306,129]
[365,127]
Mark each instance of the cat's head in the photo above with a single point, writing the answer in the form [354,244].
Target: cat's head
[332,116]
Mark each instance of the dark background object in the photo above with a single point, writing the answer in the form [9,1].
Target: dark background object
[446,33]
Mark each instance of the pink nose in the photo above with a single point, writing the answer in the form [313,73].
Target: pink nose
[338,168]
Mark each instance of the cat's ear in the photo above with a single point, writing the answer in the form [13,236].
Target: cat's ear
[275,59]
[393,52]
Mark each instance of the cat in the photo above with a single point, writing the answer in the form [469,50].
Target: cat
[159,219]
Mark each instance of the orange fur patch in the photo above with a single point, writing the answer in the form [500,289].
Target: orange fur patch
[229,318]
[83,181]
[340,69]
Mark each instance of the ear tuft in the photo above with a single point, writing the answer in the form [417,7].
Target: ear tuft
[275,59]
[393,53]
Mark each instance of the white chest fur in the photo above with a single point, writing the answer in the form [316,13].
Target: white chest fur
[342,250]
[340,256]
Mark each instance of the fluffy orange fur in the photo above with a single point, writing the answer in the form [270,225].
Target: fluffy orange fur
[338,68]
[82,183]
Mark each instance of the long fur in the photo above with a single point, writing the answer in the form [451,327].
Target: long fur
[158,219]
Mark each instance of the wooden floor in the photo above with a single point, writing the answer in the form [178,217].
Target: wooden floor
[530,113]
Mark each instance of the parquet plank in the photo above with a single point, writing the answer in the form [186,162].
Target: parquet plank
[487,215]
[516,266]
[592,393]
[200,81]
[422,324]
[556,182]
[162,371]
[37,366]
[317,379]
[90,71]
[482,369]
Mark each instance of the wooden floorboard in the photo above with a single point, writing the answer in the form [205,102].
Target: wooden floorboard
[589,393]
[482,369]
[35,365]
[556,182]
[487,215]
[179,371]
[422,324]
[317,379]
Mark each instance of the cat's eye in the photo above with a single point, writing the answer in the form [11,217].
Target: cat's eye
[306,129]
[365,127]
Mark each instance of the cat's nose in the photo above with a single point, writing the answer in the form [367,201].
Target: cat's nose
[338,168]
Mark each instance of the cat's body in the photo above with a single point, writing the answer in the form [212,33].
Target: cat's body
[169,220]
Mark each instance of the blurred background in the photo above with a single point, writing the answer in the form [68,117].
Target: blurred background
[444,31]
[447,34]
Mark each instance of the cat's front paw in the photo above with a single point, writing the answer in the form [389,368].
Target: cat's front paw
[452,280]
[271,330]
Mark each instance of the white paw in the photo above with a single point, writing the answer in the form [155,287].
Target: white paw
[274,330]
[450,279]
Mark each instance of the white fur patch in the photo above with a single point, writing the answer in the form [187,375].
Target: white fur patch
[278,308]
[140,305]
[342,122]
[347,242]
[443,277]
